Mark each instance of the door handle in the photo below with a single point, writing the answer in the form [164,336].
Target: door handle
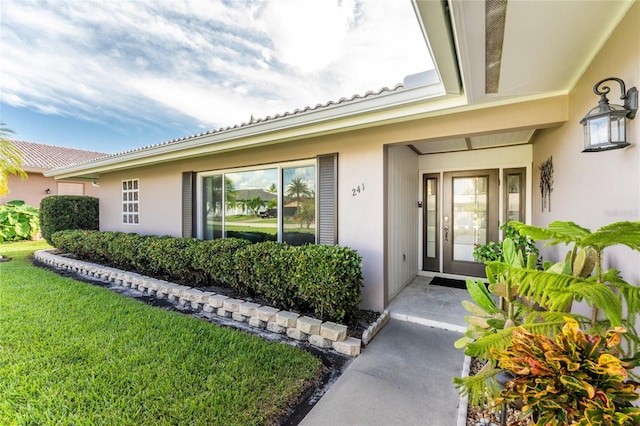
[446,232]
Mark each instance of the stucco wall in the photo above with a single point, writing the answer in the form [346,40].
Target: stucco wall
[32,190]
[360,218]
[595,189]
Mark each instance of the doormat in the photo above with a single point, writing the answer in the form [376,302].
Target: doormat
[448,282]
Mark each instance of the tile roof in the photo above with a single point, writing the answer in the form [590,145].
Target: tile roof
[40,156]
[254,121]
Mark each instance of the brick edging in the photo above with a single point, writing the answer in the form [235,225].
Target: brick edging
[325,335]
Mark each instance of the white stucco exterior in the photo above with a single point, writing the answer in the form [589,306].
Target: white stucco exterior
[375,142]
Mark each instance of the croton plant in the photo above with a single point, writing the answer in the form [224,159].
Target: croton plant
[575,378]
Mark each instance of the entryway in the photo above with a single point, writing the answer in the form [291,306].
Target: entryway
[431,305]
[462,210]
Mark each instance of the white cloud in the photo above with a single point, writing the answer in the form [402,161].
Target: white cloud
[210,61]
[308,35]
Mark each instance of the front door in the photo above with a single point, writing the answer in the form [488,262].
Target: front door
[469,217]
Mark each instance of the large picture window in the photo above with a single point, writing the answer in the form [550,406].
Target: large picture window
[270,203]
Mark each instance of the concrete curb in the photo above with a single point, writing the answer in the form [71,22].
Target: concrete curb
[324,335]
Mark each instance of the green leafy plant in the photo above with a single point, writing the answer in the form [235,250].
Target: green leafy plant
[215,260]
[493,250]
[544,297]
[329,279]
[495,311]
[575,378]
[575,283]
[18,221]
[60,212]
[267,269]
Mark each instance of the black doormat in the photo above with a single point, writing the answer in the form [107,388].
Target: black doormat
[448,282]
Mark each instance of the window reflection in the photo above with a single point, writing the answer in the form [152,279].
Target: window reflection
[252,212]
[299,205]
[253,200]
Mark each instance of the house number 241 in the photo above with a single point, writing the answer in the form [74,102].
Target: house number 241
[358,189]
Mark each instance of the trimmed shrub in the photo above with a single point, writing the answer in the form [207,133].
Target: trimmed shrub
[214,261]
[325,279]
[329,278]
[267,269]
[62,212]
[173,258]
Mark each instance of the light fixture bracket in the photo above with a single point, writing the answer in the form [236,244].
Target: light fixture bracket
[629,97]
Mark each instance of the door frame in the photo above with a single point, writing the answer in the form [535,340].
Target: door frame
[431,264]
[444,200]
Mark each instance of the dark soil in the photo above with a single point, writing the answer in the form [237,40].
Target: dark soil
[333,363]
[487,416]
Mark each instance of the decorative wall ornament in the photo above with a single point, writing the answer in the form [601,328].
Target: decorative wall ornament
[546,183]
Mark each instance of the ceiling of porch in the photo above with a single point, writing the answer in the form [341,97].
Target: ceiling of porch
[510,51]
[473,142]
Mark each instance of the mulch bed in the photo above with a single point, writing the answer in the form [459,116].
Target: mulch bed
[484,416]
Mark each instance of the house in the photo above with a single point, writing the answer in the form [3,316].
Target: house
[412,176]
[39,158]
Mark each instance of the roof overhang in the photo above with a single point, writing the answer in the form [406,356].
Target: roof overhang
[544,49]
[367,112]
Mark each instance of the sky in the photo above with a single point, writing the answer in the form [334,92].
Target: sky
[114,75]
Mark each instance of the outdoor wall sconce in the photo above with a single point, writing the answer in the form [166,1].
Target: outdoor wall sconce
[47,191]
[605,125]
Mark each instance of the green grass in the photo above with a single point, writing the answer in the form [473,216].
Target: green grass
[75,354]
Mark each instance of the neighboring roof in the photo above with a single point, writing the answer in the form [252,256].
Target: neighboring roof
[47,157]
[248,194]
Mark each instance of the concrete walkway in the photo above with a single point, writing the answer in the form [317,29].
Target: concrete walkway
[404,377]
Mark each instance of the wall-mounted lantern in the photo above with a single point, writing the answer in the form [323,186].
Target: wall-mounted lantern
[47,191]
[605,126]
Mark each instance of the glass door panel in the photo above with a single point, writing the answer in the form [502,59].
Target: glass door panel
[470,217]
[469,227]
[514,194]
[212,207]
[431,229]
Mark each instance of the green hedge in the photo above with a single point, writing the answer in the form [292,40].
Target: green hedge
[62,212]
[324,279]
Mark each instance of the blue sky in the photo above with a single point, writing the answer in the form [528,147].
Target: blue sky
[115,75]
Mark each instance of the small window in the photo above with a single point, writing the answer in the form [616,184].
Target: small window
[515,196]
[130,206]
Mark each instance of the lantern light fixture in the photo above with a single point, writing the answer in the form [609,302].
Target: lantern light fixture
[605,126]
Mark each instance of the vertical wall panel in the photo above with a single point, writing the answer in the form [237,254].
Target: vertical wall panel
[402,218]
[327,199]
[188,204]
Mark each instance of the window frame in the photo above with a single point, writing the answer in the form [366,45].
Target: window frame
[130,212]
[279,166]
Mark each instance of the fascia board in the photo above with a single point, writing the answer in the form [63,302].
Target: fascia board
[434,20]
[336,118]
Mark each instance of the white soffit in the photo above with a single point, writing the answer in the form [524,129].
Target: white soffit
[558,38]
[432,147]
[474,142]
[547,45]
[501,139]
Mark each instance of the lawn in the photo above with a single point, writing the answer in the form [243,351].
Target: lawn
[73,353]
